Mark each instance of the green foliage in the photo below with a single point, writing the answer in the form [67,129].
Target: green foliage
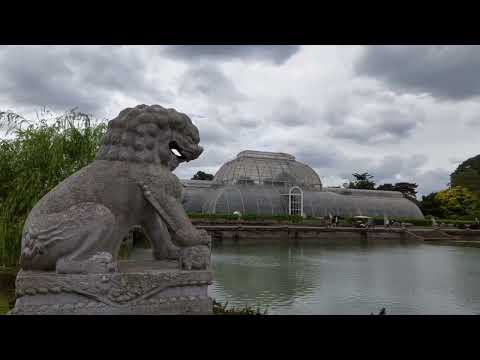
[7,289]
[409,190]
[432,206]
[467,220]
[416,222]
[200,175]
[386,187]
[257,217]
[222,309]
[428,221]
[41,154]
[467,175]
[462,199]
[458,201]
[5,302]
[247,217]
[362,181]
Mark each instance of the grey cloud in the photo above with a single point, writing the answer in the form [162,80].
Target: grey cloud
[378,119]
[473,122]
[322,157]
[432,181]
[390,167]
[396,122]
[455,160]
[248,122]
[446,72]
[212,131]
[377,129]
[38,78]
[276,54]
[214,135]
[290,113]
[63,77]
[329,161]
[210,82]
[112,68]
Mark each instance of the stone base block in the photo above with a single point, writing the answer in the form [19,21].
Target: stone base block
[137,290]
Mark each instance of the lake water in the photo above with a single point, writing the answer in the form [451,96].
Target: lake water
[349,279]
[345,279]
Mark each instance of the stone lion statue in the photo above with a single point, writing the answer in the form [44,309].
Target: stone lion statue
[79,225]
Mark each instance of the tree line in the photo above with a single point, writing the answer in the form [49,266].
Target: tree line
[460,200]
[365,181]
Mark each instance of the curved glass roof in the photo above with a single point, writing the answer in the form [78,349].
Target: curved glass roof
[267,168]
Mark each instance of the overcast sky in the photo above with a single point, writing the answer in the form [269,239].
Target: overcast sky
[402,113]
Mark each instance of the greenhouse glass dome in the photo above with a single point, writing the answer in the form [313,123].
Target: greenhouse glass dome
[268,183]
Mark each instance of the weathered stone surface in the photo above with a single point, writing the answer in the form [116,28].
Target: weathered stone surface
[141,291]
[195,257]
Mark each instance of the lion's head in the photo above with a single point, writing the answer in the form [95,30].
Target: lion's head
[151,134]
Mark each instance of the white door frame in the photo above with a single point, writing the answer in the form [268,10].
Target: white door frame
[291,194]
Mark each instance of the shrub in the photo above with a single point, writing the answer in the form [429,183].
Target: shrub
[40,155]
[247,217]
[458,201]
[222,309]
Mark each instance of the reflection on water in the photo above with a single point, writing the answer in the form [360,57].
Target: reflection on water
[349,279]
[345,279]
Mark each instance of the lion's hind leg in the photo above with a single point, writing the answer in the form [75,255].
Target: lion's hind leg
[70,241]
[41,246]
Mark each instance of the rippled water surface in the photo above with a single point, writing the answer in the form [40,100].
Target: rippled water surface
[349,279]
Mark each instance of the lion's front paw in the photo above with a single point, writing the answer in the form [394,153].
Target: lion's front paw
[192,237]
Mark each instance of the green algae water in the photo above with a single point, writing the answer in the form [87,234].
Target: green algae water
[349,279]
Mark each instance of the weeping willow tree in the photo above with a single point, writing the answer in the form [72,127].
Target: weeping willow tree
[34,157]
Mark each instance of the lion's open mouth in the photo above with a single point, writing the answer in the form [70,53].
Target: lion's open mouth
[177,151]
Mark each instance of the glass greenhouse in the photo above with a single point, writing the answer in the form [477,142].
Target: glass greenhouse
[269,183]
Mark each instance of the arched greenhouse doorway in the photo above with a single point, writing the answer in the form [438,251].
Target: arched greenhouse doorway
[295,201]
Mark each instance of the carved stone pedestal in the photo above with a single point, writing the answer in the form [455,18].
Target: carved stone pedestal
[140,288]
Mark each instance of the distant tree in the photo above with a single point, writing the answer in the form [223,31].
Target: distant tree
[200,175]
[410,188]
[407,189]
[467,175]
[362,181]
[432,206]
[386,187]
